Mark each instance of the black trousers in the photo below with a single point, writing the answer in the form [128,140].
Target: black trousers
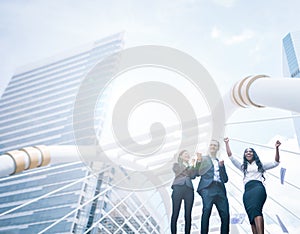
[185,193]
[215,194]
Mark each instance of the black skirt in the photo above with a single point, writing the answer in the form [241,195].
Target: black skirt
[254,199]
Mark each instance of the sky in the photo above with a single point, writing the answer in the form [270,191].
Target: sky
[232,39]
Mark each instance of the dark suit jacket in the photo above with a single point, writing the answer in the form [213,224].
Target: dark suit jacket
[184,175]
[208,178]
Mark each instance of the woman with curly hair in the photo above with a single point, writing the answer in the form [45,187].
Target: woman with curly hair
[255,193]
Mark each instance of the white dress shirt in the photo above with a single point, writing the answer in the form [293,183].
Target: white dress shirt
[216,170]
[252,169]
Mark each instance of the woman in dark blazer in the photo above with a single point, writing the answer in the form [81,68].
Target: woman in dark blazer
[183,190]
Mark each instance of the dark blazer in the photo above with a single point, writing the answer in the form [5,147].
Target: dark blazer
[208,178]
[184,175]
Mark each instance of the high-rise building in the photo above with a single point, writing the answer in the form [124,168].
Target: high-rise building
[37,109]
[291,61]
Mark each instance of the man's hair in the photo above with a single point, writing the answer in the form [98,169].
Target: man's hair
[215,141]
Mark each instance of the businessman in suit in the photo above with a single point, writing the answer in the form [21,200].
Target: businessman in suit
[212,190]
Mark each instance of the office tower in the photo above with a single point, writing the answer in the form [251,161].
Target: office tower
[37,109]
[291,56]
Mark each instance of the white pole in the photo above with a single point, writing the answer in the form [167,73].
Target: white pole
[262,91]
[16,161]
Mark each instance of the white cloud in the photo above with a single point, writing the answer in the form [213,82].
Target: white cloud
[255,49]
[225,3]
[215,32]
[244,36]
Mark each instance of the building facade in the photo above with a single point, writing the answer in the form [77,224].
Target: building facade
[37,109]
[291,56]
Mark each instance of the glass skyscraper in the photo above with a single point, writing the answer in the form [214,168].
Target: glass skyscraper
[36,109]
[291,56]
